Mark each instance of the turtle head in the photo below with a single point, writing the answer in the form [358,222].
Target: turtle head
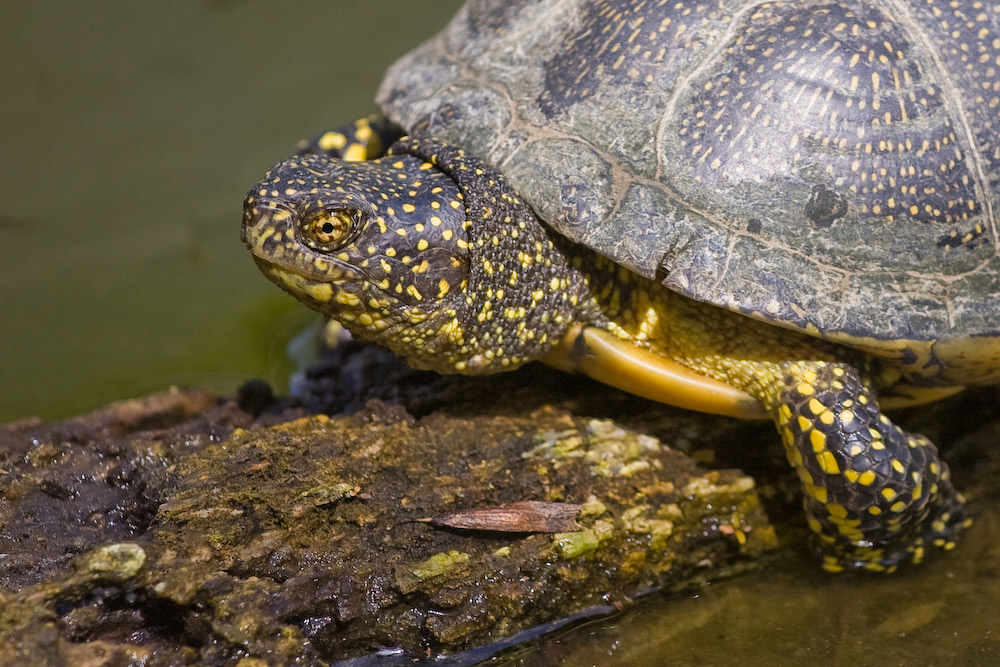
[380,246]
[426,251]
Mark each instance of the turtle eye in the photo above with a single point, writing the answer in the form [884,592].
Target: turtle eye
[329,229]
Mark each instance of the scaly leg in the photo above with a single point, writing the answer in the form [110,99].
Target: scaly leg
[875,494]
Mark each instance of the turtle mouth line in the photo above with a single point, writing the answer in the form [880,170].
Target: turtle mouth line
[328,271]
[320,289]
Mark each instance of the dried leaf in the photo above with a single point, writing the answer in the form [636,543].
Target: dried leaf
[528,516]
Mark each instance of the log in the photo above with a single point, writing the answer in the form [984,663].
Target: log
[184,528]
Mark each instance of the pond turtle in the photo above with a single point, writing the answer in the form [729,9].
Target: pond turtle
[777,209]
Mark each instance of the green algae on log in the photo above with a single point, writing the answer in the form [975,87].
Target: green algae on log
[182,530]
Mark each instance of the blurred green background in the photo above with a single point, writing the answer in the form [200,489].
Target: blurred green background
[131,132]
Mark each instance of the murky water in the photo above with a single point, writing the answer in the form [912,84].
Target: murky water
[944,613]
[131,132]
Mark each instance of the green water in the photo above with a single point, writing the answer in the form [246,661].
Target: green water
[131,131]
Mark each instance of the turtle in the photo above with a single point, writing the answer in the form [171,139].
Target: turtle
[782,210]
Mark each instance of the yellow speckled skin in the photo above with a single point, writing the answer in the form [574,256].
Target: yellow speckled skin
[875,494]
[753,208]
[388,248]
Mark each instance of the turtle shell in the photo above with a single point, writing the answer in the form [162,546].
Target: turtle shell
[832,167]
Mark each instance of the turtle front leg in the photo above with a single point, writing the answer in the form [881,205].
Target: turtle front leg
[875,494]
[364,139]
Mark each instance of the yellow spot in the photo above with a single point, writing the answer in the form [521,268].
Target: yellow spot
[788,439]
[804,389]
[412,291]
[828,463]
[347,299]
[818,440]
[889,494]
[898,466]
[804,424]
[409,208]
[319,292]
[817,492]
[355,153]
[784,414]
[837,511]
[867,478]
[815,407]
[332,140]
[808,376]
[422,244]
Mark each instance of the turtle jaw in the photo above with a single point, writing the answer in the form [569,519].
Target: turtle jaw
[329,294]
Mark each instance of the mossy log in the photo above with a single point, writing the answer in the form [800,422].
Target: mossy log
[182,529]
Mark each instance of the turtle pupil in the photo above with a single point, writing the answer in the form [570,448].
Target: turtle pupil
[327,228]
